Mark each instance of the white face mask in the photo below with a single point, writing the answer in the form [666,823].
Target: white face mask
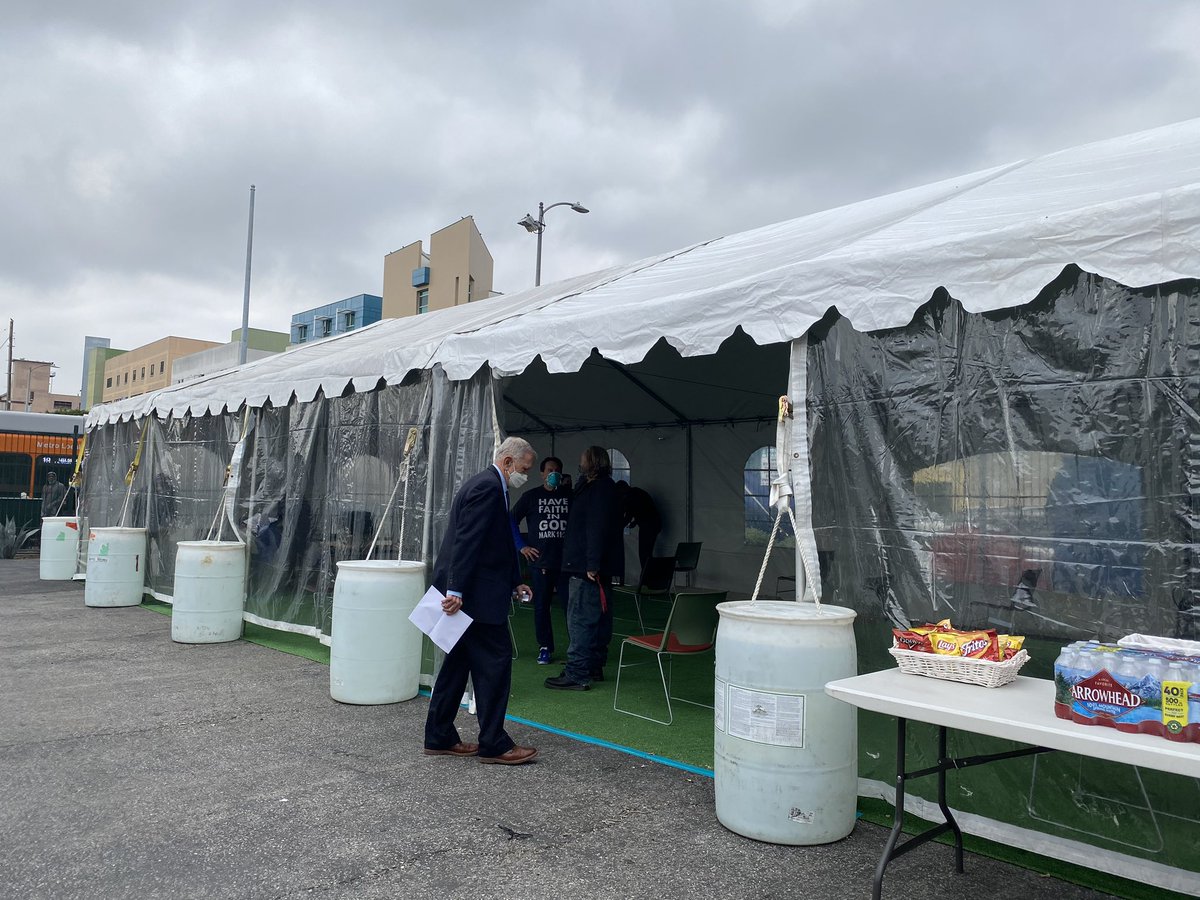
[516,480]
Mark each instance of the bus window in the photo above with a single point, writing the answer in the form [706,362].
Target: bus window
[14,473]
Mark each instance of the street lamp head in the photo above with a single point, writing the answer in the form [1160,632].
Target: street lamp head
[579,207]
[530,224]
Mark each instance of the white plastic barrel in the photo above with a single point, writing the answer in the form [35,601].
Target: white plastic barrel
[375,652]
[785,754]
[60,548]
[116,567]
[210,592]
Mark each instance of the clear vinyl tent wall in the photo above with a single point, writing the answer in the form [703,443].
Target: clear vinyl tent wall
[1034,470]
[311,488]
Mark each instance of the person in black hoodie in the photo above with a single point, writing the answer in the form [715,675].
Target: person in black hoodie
[593,555]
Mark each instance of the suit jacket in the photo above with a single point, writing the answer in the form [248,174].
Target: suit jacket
[478,557]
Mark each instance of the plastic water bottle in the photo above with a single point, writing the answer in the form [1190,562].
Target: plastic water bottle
[1129,668]
[1068,659]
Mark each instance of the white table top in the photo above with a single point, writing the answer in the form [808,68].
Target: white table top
[1021,711]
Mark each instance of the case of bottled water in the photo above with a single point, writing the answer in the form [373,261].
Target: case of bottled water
[1144,691]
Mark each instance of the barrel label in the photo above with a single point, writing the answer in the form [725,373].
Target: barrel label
[766,717]
[719,704]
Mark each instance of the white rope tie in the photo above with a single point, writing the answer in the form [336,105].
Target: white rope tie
[771,546]
[410,444]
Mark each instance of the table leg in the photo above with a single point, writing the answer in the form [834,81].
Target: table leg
[898,817]
[943,764]
[892,848]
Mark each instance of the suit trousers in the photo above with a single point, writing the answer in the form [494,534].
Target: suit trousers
[485,653]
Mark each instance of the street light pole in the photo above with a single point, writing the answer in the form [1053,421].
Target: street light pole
[538,226]
[244,342]
[537,272]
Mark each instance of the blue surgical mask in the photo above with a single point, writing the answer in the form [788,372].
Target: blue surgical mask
[553,480]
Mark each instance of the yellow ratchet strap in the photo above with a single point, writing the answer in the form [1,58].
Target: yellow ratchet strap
[137,456]
[79,462]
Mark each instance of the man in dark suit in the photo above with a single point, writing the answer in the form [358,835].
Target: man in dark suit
[477,569]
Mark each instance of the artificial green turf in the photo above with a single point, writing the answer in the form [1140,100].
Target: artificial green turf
[688,739]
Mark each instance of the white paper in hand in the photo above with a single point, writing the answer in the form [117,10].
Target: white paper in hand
[442,629]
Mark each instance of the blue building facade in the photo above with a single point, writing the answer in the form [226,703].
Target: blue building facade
[336,318]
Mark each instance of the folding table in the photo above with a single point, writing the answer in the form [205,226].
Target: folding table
[1021,711]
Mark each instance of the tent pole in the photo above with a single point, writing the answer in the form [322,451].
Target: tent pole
[688,497]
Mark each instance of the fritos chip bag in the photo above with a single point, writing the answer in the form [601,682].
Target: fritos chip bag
[971,644]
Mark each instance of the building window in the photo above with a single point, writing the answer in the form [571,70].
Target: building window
[470,288]
[162,367]
[423,301]
[127,378]
[135,376]
[349,319]
[301,334]
[326,327]
[760,517]
[108,383]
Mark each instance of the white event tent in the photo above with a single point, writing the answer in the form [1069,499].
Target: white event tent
[976,366]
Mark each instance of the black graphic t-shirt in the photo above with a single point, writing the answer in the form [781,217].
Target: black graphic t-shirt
[545,515]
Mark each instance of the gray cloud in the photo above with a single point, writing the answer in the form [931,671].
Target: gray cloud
[133,131]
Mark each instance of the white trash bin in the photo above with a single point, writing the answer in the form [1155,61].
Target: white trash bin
[210,592]
[60,548]
[375,651]
[116,567]
[785,754]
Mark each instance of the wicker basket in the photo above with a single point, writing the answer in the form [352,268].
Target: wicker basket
[957,668]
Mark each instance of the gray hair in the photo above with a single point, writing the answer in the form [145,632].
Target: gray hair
[517,448]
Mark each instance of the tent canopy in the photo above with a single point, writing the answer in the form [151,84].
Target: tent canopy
[1127,209]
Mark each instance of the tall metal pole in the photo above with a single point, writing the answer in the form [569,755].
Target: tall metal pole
[8,401]
[537,278]
[246,296]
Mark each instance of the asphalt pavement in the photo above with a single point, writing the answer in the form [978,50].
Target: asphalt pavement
[131,766]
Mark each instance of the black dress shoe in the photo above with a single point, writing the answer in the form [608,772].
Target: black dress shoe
[563,683]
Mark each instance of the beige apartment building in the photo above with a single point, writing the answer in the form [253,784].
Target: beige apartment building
[30,379]
[456,270]
[148,367]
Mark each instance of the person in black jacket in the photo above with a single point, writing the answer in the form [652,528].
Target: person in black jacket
[638,511]
[593,555]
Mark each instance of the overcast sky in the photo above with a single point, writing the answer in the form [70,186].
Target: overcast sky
[131,131]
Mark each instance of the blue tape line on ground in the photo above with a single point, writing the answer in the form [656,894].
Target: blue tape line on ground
[600,742]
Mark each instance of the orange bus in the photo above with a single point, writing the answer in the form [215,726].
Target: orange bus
[34,444]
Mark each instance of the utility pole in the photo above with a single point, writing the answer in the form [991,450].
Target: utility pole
[246,297]
[8,399]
